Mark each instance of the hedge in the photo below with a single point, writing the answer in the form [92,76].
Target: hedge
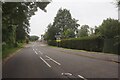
[87,43]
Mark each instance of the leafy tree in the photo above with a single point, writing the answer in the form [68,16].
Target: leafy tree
[91,31]
[63,24]
[110,32]
[69,33]
[51,32]
[117,2]
[15,20]
[83,32]
[110,28]
[64,21]
[34,38]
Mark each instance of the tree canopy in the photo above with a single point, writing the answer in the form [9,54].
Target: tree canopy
[63,24]
[15,20]
[83,31]
[110,28]
[34,38]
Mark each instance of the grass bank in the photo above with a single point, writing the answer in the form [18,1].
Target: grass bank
[10,50]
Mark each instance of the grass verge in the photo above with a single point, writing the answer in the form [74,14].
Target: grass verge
[7,52]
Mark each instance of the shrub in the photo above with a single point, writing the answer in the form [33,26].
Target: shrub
[86,43]
[52,42]
[94,43]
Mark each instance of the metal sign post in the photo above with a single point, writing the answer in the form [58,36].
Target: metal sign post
[57,36]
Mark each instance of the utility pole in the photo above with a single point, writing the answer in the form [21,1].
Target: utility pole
[119,12]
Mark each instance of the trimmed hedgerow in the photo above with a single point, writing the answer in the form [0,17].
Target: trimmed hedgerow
[94,43]
[86,43]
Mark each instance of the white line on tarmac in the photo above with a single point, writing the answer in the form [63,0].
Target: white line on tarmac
[36,52]
[81,77]
[66,74]
[45,62]
[53,60]
[33,50]
[40,52]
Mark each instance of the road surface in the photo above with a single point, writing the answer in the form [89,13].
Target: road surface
[38,60]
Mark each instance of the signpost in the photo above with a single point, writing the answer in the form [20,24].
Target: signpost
[57,36]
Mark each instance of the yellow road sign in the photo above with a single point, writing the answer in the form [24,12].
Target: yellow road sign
[58,40]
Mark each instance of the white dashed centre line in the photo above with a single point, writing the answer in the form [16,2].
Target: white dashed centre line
[36,52]
[53,60]
[45,62]
[40,52]
[33,50]
[81,77]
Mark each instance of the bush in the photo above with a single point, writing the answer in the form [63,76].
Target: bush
[86,43]
[94,43]
[52,42]
[110,46]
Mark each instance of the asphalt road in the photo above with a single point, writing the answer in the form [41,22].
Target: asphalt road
[38,60]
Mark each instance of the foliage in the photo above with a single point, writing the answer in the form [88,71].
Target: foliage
[94,43]
[34,38]
[105,38]
[110,28]
[118,3]
[15,20]
[7,50]
[63,24]
[83,32]
[51,32]
[69,33]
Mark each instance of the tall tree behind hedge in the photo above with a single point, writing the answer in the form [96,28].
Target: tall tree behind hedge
[64,21]
[110,28]
[110,31]
[83,31]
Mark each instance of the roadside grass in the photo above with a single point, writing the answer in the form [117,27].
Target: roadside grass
[9,51]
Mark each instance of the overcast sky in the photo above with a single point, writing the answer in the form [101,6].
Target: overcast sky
[90,12]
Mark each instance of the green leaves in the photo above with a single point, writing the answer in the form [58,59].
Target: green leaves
[63,24]
[83,32]
[15,20]
[34,38]
[110,28]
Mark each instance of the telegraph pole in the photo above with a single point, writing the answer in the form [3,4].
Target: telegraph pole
[119,12]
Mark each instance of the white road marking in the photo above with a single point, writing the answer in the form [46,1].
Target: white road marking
[33,50]
[42,45]
[36,52]
[81,77]
[66,74]
[45,62]
[53,60]
[40,52]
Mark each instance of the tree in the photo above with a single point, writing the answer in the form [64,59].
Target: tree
[117,2]
[34,38]
[15,20]
[64,21]
[83,32]
[69,33]
[110,28]
[63,24]
[110,32]
[51,32]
